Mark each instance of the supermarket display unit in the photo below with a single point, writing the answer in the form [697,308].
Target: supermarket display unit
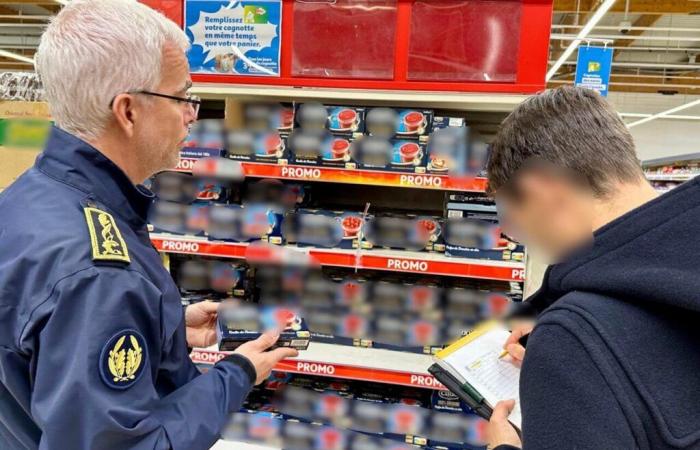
[366,364]
[667,173]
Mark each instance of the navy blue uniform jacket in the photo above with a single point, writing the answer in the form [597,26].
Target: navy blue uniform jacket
[614,361]
[92,338]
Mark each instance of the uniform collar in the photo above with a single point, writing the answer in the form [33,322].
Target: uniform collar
[73,161]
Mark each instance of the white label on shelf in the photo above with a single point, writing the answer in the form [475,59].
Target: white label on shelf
[181,246]
[518,274]
[185,164]
[301,172]
[421,180]
[323,369]
[406,264]
[425,380]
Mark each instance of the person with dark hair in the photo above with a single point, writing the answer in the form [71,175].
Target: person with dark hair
[612,360]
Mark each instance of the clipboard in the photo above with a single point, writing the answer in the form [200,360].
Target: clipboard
[444,377]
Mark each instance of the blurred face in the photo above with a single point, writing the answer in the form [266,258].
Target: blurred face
[166,122]
[550,214]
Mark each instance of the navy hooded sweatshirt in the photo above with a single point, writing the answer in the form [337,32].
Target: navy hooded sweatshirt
[614,361]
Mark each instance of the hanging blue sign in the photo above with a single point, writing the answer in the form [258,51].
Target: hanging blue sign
[593,68]
[234,37]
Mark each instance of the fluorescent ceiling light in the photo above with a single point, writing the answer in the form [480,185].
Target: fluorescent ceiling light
[600,12]
[664,113]
[16,56]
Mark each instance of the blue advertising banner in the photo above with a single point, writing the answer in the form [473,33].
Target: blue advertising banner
[593,68]
[234,37]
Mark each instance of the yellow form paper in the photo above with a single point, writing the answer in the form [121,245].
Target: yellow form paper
[475,359]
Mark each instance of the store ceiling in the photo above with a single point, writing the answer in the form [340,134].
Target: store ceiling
[657,42]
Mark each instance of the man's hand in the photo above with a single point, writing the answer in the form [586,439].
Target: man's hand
[499,430]
[200,322]
[263,360]
[514,349]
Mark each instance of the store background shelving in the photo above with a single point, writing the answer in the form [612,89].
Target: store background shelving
[669,172]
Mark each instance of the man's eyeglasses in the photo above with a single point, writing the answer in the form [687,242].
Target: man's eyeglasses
[193,101]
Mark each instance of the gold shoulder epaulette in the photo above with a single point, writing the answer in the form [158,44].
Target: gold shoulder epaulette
[106,239]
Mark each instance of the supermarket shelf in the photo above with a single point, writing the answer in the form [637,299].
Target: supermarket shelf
[672,160]
[445,100]
[349,363]
[387,260]
[366,177]
[670,176]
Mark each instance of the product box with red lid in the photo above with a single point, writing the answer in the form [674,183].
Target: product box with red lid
[324,229]
[347,120]
[320,147]
[240,322]
[399,123]
[403,233]
[396,155]
[259,117]
[266,146]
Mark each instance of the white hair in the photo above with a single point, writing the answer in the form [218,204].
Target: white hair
[94,50]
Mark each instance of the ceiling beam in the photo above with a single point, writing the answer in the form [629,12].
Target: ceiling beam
[645,20]
[586,7]
[638,6]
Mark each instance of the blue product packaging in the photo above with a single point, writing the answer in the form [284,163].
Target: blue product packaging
[346,120]
[168,217]
[326,229]
[448,152]
[390,122]
[473,238]
[199,152]
[265,146]
[206,136]
[227,278]
[247,223]
[396,155]
[320,148]
[185,188]
[265,117]
[240,322]
[403,233]
[197,218]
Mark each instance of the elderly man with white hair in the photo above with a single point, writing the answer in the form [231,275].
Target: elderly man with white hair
[93,339]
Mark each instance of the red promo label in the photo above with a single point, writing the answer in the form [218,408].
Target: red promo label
[222,249]
[167,245]
[360,373]
[334,370]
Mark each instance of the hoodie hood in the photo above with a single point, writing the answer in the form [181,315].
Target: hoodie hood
[651,255]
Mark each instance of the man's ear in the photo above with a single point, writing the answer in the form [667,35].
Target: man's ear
[125,110]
